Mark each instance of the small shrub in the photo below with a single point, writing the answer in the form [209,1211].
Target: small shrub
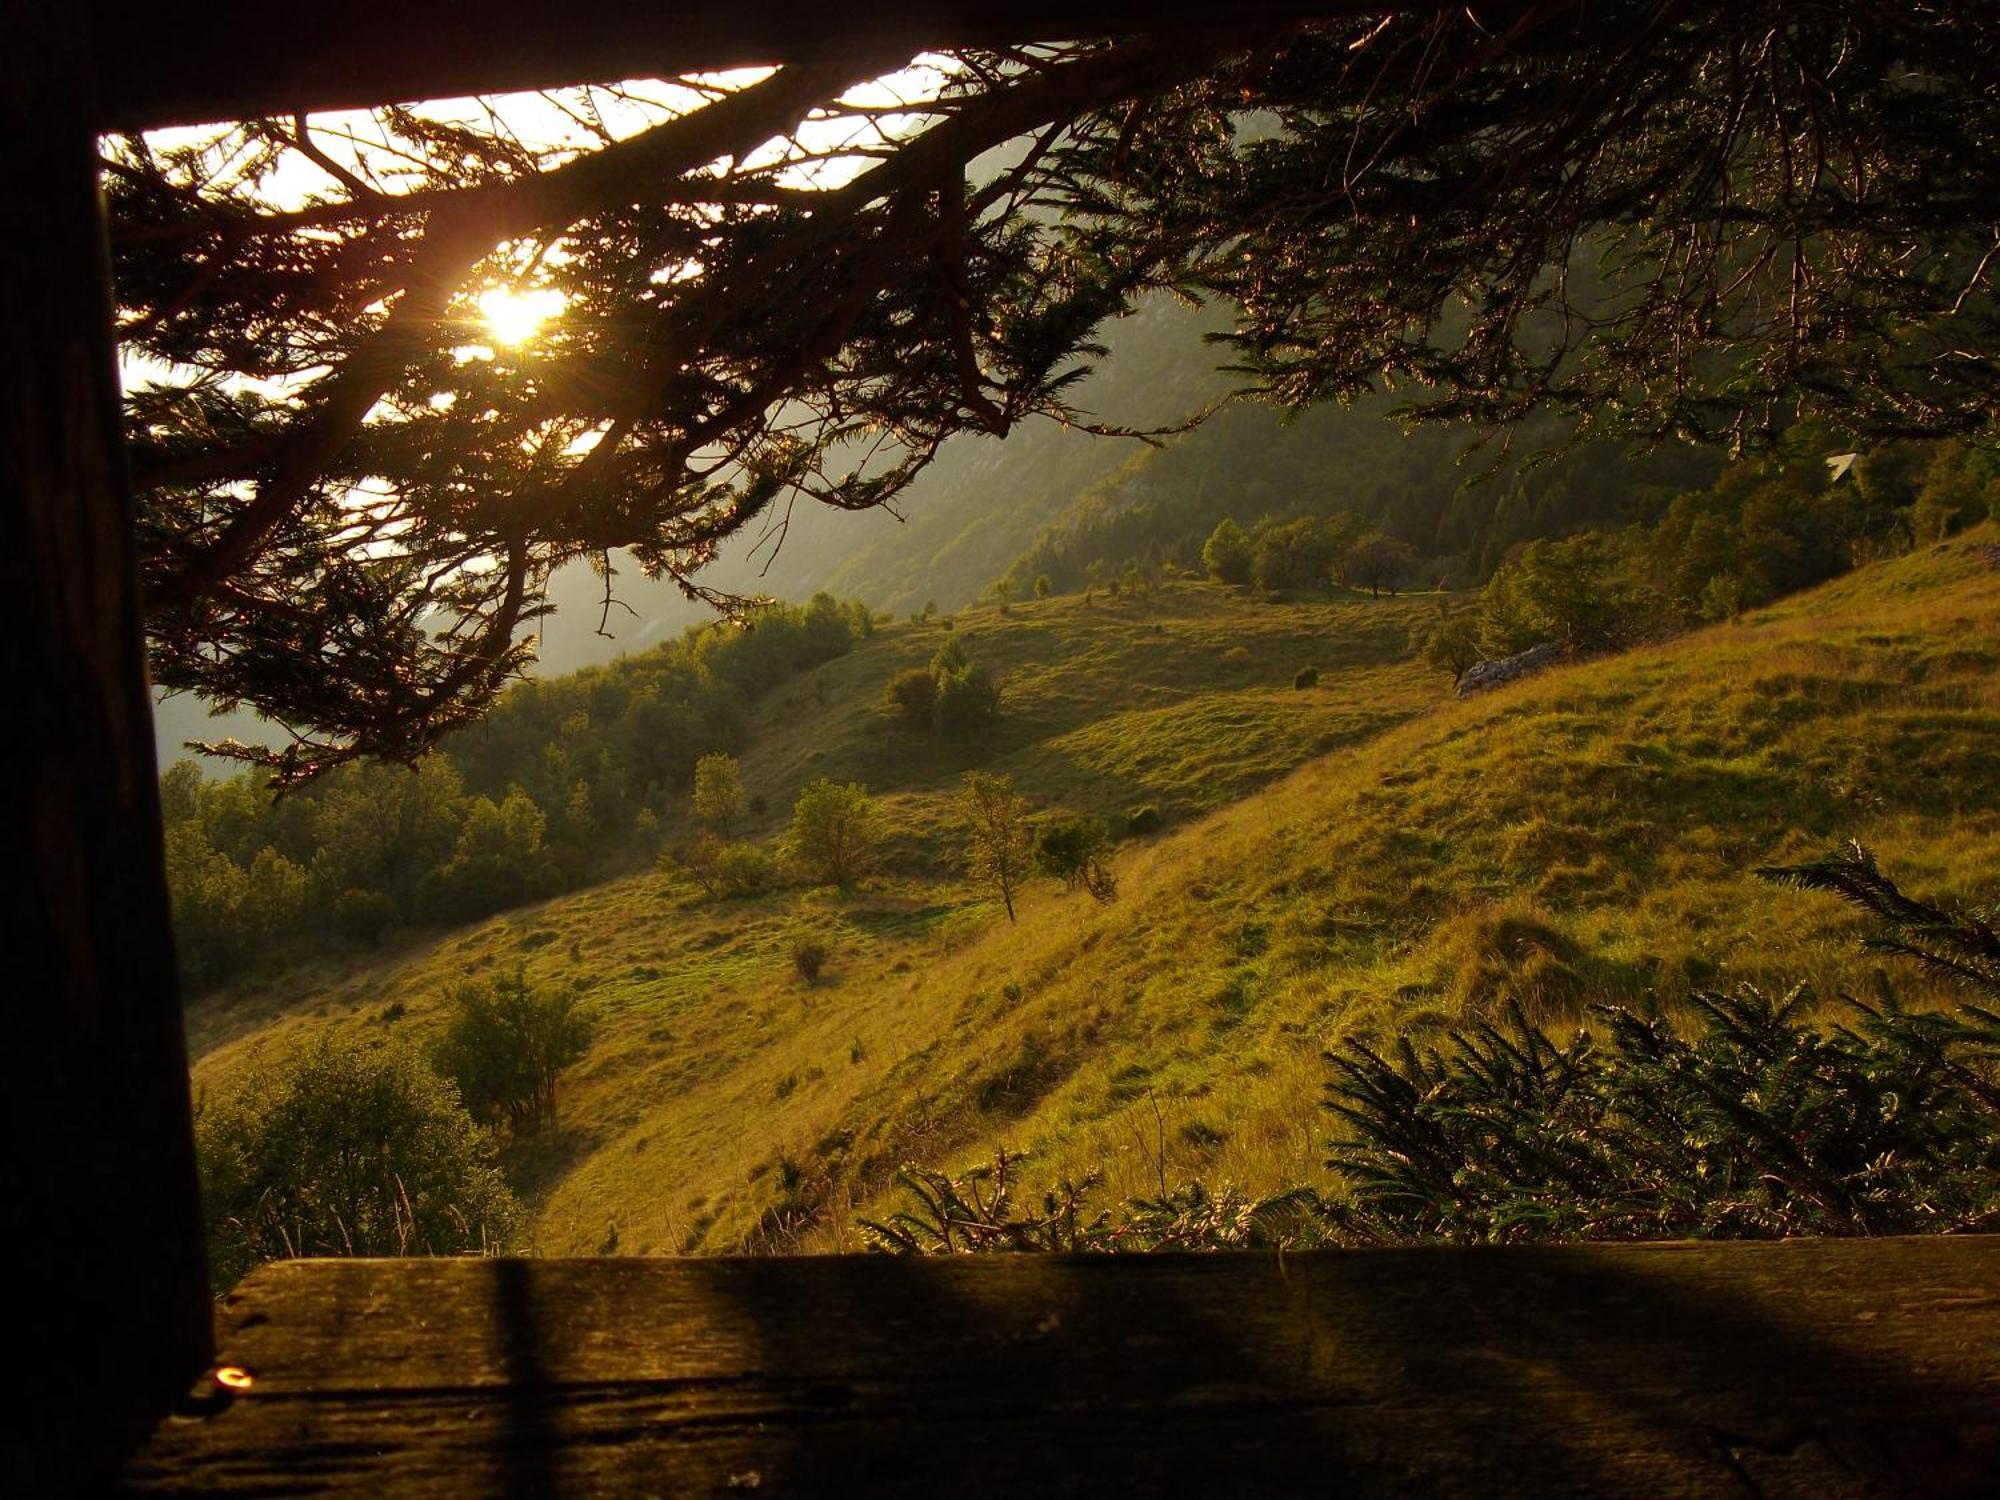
[745,870]
[699,859]
[809,957]
[912,694]
[1305,677]
[1072,850]
[967,704]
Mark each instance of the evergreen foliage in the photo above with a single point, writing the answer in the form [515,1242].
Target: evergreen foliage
[1760,1120]
[1693,220]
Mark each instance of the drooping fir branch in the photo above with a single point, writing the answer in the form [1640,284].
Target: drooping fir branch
[1660,217]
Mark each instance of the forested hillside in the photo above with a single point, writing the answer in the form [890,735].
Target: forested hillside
[1310,856]
[1059,502]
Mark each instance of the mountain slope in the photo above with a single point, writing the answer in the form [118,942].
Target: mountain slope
[1587,833]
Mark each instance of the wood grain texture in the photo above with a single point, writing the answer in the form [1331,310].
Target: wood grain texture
[1820,1368]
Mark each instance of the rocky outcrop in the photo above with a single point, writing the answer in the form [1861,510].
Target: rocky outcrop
[1491,674]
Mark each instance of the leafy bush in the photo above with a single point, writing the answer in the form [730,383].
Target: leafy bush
[364,916]
[1582,592]
[1297,554]
[1226,553]
[953,697]
[1376,563]
[346,1148]
[911,694]
[809,957]
[744,870]
[836,830]
[506,1044]
[967,705]
[1072,850]
[1450,641]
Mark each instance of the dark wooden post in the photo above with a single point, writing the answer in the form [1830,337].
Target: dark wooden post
[108,1306]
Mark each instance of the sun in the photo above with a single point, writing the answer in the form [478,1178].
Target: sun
[515,317]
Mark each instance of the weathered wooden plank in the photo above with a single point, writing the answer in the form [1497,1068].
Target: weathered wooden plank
[1806,1367]
[97,1180]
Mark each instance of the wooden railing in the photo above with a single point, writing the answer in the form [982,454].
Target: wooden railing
[1820,1368]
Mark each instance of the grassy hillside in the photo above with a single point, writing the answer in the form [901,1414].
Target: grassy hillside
[1358,856]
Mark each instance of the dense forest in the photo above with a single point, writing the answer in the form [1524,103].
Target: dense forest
[566,778]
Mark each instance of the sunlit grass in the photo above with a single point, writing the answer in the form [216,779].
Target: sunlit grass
[1352,860]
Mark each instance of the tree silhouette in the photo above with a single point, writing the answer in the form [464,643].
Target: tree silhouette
[1663,216]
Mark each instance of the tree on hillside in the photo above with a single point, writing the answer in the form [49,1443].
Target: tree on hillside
[1578,592]
[718,790]
[1959,487]
[403,365]
[836,831]
[507,1043]
[346,1148]
[967,703]
[1000,846]
[1376,563]
[1290,555]
[954,697]
[1226,553]
[913,695]
[1449,641]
